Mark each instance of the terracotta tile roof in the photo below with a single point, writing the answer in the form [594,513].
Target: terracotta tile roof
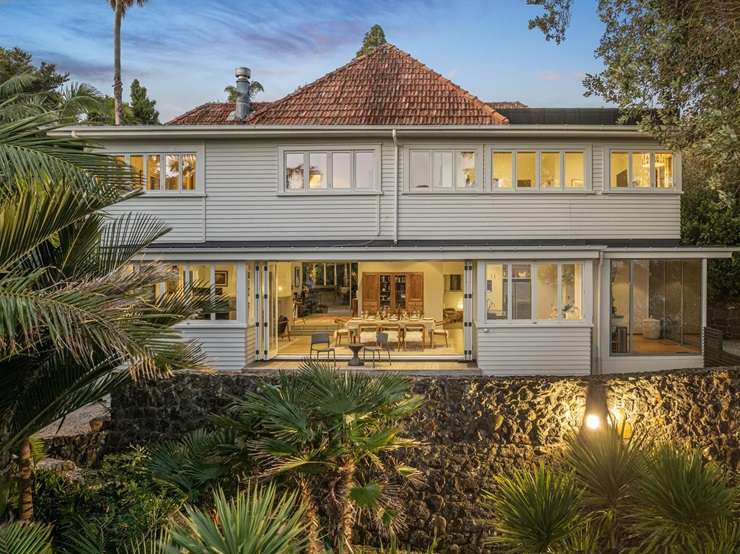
[211,113]
[507,104]
[384,87]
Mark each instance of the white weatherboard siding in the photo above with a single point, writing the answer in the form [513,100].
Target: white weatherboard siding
[534,350]
[224,345]
[184,215]
[243,201]
[539,216]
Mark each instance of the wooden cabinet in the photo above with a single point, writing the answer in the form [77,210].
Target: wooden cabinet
[394,291]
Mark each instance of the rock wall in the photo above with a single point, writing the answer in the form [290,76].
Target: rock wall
[474,428]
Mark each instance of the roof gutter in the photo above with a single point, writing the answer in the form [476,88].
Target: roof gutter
[380,131]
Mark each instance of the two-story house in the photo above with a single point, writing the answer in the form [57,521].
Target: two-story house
[383,197]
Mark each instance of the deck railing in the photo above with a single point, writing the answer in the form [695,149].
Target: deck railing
[714,353]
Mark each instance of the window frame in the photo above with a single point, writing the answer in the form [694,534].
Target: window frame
[454,150]
[329,151]
[539,149]
[163,153]
[586,294]
[652,189]
[242,283]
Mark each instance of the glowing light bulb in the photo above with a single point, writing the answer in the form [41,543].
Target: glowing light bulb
[593,421]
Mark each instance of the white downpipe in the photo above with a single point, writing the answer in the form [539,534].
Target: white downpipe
[596,341]
[395,179]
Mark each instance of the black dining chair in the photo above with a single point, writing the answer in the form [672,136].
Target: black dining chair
[321,344]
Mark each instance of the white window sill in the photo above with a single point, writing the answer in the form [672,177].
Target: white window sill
[323,193]
[531,325]
[446,192]
[668,192]
[555,192]
[211,324]
[155,194]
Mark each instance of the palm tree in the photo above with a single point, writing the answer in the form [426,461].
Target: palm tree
[119,8]
[326,422]
[255,87]
[25,538]
[78,319]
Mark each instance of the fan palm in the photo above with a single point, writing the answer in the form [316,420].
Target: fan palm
[77,321]
[256,521]
[326,422]
[120,7]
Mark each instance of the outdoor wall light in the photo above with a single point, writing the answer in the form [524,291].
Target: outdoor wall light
[597,411]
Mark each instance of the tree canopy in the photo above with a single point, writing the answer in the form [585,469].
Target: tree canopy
[142,107]
[373,38]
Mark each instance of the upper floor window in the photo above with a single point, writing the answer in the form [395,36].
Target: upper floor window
[641,170]
[544,170]
[542,291]
[329,170]
[444,170]
[171,172]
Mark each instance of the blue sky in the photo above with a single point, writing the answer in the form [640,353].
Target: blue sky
[185,51]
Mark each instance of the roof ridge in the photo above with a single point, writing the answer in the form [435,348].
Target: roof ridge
[324,77]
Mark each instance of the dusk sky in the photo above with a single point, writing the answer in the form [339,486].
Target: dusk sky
[185,51]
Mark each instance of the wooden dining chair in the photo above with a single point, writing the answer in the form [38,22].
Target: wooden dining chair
[440,331]
[341,331]
[415,334]
[368,334]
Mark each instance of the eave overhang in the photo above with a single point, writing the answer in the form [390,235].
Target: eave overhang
[365,131]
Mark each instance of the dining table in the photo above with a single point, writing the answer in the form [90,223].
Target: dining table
[428,322]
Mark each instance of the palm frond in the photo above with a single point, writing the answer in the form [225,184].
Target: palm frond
[256,521]
[25,538]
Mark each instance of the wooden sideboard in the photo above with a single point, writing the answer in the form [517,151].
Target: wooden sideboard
[394,291]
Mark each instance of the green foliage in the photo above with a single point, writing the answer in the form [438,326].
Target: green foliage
[373,38]
[45,77]
[255,87]
[256,521]
[535,511]
[142,107]
[322,425]
[117,504]
[25,538]
[606,467]
[554,21]
[681,501]
[193,464]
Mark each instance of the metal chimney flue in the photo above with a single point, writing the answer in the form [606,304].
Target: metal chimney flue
[243,102]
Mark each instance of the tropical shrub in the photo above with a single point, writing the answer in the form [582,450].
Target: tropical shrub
[257,520]
[610,493]
[681,500]
[117,504]
[535,511]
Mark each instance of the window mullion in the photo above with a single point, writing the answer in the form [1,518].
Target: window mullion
[562,171]
[329,170]
[514,180]
[179,172]
[653,182]
[509,296]
[537,169]
[559,299]
[306,170]
[213,288]
[533,292]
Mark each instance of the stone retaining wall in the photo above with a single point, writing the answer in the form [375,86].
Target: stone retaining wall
[474,428]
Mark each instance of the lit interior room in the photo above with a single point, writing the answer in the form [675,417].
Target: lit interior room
[418,306]
[656,307]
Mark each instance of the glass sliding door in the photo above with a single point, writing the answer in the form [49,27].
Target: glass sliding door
[656,307]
